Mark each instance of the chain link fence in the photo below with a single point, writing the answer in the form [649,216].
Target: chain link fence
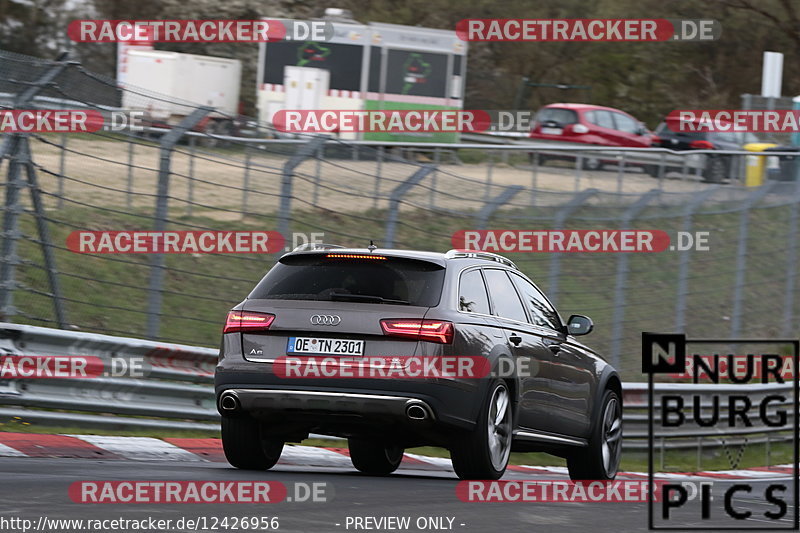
[184,174]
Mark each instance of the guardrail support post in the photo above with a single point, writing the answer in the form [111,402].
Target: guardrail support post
[158,262]
[394,201]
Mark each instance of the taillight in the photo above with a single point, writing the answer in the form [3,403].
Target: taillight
[440,331]
[701,145]
[247,322]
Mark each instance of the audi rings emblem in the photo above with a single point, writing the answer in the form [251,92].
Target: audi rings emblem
[326,320]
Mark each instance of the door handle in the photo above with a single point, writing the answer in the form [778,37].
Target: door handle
[555,348]
[515,340]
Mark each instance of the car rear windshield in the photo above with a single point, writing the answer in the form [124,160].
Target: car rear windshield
[318,277]
[558,115]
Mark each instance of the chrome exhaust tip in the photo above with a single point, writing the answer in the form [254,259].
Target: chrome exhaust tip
[229,402]
[415,411]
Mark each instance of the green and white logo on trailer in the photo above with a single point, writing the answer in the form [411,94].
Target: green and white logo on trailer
[367,67]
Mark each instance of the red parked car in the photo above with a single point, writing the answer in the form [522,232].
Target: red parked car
[589,124]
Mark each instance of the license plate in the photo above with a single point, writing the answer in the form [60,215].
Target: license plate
[324,346]
[552,131]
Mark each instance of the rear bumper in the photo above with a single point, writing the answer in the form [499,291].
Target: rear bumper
[268,401]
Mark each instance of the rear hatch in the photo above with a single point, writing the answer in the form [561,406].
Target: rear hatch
[332,304]
[553,121]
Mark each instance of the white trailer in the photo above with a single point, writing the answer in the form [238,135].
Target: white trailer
[175,83]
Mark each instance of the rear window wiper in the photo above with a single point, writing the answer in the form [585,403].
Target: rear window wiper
[340,296]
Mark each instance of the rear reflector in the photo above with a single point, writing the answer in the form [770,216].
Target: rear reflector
[439,331]
[354,256]
[701,145]
[247,321]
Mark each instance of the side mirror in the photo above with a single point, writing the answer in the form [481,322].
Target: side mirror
[579,325]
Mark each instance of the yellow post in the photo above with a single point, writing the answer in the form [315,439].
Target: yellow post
[756,164]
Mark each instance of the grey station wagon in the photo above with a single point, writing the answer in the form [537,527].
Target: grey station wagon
[542,391]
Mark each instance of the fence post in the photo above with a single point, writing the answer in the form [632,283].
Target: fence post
[246,179]
[62,167]
[129,197]
[378,169]
[304,152]
[44,237]
[741,254]
[487,193]
[11,232]
[495,203]
[791,265]
[14,146]
[558,223]
[683,259]
[158,262]
[622,277]
[190,191]
[394,201]
[534,176]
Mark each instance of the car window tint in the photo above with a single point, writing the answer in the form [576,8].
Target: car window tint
[504,296]
[558,115]
[472,296]
[625,123]
[541,312]
[604,120]
[317,277]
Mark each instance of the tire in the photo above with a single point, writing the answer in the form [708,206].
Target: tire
[245,446]
[374,458]
[590,163]
[542,159]
[651,170]
[483,453]
[600,461]
[716,170]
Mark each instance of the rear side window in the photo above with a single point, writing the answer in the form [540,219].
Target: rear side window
[603,119]
[558,115]
[472,297]
[316,277]
[625,123]
[504,296]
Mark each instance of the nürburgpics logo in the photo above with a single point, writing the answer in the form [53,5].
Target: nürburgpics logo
[740,391]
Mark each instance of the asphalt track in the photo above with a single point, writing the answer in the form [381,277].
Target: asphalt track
[34,487]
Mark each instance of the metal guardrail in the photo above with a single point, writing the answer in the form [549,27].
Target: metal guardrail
[174,391]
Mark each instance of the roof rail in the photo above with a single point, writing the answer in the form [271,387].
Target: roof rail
[311,246]
[488,256]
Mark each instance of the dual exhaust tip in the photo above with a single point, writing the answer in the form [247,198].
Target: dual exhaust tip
[416,411]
